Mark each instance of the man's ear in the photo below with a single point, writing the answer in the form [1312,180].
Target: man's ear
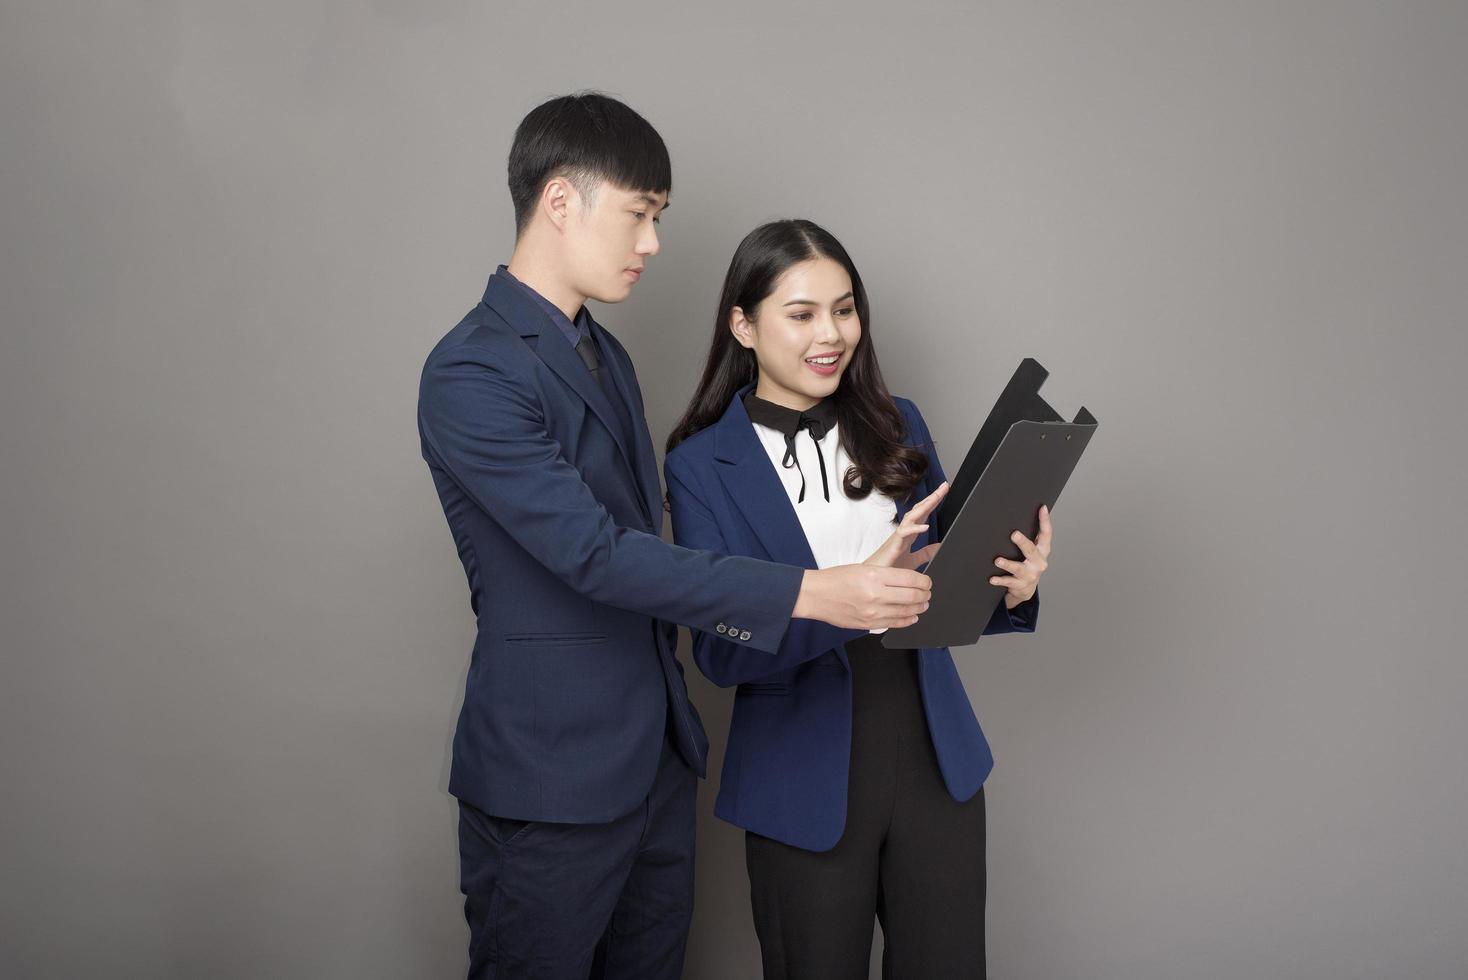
[557,199]
[741,327]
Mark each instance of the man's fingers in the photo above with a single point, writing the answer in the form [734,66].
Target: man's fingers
[1026,546]
[903,597]
[899,617]
[1009,565]
[1008,581]
[1046,530]
[903,578]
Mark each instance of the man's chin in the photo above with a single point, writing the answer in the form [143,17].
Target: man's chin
[613,294]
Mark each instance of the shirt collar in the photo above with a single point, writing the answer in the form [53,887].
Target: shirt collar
[820,418]
[573,332]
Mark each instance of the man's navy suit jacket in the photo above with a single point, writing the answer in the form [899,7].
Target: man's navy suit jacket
[786,764]
[556,513]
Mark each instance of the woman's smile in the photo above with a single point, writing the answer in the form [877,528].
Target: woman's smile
[825,364]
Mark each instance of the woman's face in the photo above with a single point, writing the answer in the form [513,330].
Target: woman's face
[803,334]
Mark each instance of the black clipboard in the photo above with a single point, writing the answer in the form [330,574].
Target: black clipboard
[1022,457]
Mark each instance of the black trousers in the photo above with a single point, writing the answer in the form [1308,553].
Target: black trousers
[611,901]
[911,856]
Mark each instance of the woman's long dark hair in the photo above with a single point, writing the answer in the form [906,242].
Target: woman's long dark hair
[870,424]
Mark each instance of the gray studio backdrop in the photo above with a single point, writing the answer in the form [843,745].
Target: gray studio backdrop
[234,627]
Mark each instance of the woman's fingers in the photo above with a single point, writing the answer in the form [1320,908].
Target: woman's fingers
[924,555]
[924,507]
[915,520]
[896,546]
[928,504]
[1023,575]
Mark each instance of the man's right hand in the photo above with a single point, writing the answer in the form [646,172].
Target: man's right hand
[885,591]
[867,597]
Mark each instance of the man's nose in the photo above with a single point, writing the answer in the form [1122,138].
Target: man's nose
[649,244]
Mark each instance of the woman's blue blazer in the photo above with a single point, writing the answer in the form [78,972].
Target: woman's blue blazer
[785,765]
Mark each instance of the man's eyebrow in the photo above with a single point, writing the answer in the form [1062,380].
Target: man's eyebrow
[811,302]
[650,200]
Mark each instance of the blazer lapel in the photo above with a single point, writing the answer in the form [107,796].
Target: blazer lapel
[750,478]
[644,461]
[531,321]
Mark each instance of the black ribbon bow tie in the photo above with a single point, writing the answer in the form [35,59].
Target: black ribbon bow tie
[817,420]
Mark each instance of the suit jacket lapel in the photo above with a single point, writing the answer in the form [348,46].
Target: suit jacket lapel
[644,460]
[531,321]
[750,478]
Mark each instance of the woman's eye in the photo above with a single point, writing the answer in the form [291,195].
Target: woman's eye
[801,317]
[845,312]
[639,215]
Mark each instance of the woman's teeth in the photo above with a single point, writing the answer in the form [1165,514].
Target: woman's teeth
[825,359]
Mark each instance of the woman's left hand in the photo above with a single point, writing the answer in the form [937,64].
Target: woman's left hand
[1024,577]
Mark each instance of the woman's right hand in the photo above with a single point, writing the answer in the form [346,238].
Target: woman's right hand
[896,551]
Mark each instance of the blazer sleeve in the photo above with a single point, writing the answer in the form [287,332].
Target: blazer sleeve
[1022,618]
[486,428]
[723,661]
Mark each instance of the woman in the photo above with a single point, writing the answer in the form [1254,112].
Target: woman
[856,771]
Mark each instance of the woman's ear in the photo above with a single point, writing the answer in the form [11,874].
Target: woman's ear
[741,327]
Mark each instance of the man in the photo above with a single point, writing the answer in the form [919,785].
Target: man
[577,750]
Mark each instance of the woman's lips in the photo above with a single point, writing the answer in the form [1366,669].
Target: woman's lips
[825,370]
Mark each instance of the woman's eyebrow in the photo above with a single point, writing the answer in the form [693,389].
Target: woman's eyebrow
[811,302]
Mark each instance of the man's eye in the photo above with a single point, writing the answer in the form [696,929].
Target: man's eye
[639,215]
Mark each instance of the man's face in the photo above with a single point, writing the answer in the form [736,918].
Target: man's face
[610,238]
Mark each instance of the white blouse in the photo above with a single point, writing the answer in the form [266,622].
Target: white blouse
[840,531]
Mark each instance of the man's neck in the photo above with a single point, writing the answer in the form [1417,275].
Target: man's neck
[539,274]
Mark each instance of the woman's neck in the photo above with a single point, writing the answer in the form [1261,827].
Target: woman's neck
[784,397]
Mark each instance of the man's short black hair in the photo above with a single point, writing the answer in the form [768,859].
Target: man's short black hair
[586,138]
